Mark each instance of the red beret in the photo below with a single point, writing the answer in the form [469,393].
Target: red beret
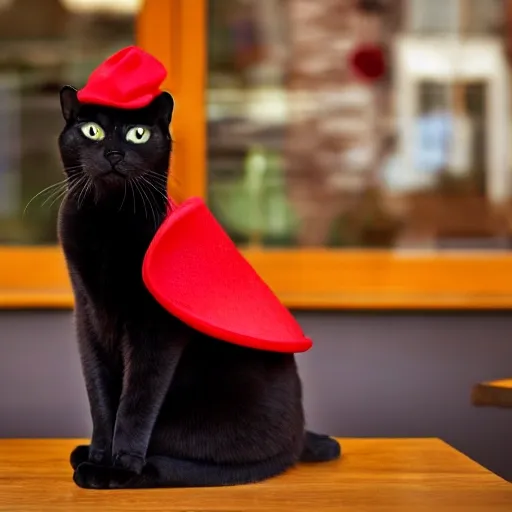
[131,79]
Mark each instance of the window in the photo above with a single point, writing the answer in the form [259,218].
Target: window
[302,154]
[342,192]
[452,17]
[452,143]
[434,16]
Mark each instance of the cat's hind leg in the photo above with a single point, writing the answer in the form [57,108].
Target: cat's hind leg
[170,472]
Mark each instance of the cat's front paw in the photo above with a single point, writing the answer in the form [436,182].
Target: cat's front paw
[88,453]
[92,476]
[101,457]
[128,462]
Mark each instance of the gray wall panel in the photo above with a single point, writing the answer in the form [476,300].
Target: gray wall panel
[384,375]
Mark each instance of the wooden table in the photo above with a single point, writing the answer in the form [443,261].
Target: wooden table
[409,475]
[497,393]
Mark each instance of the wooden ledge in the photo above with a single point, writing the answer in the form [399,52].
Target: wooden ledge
[307,279]
[496,393]
[36,299]
[399,475]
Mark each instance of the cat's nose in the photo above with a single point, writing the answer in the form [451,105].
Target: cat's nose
[114,157]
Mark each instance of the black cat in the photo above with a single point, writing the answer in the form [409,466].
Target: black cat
[170,406]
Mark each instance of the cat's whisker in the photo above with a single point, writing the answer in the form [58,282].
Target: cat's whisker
[165,180]
[158,182]
[159,198]
[78,183]
[69,190]
[158,178]
[152,205]
[169,177]
[155,222]
[159,206]
[150,172]
[66,191]
[83,192]
[151,201]
[133,194]
[92,187]
[160,189]
[154,173]
[142,198]
[57,192]
[68,183]
[59,196]
[82,188]
[45,190]
[162,184]
[58,187]
[164,196]
[124,197]
[160,202]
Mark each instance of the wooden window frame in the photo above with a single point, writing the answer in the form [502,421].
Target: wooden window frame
[175,32]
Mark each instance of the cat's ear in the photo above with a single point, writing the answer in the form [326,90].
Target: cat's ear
[69,103]
[164,104]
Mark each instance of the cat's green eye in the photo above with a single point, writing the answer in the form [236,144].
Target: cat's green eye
[138,135]
[93,131]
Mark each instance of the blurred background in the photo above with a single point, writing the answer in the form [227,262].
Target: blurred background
[357,151]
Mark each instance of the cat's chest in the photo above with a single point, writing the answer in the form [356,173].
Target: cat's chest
[107,254]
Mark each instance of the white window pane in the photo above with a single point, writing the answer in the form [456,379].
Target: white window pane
[434,16]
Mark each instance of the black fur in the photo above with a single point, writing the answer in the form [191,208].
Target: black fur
[170,406]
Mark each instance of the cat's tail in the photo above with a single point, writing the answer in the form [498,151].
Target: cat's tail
[320,448]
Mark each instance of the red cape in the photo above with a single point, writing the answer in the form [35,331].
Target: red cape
[196,272]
